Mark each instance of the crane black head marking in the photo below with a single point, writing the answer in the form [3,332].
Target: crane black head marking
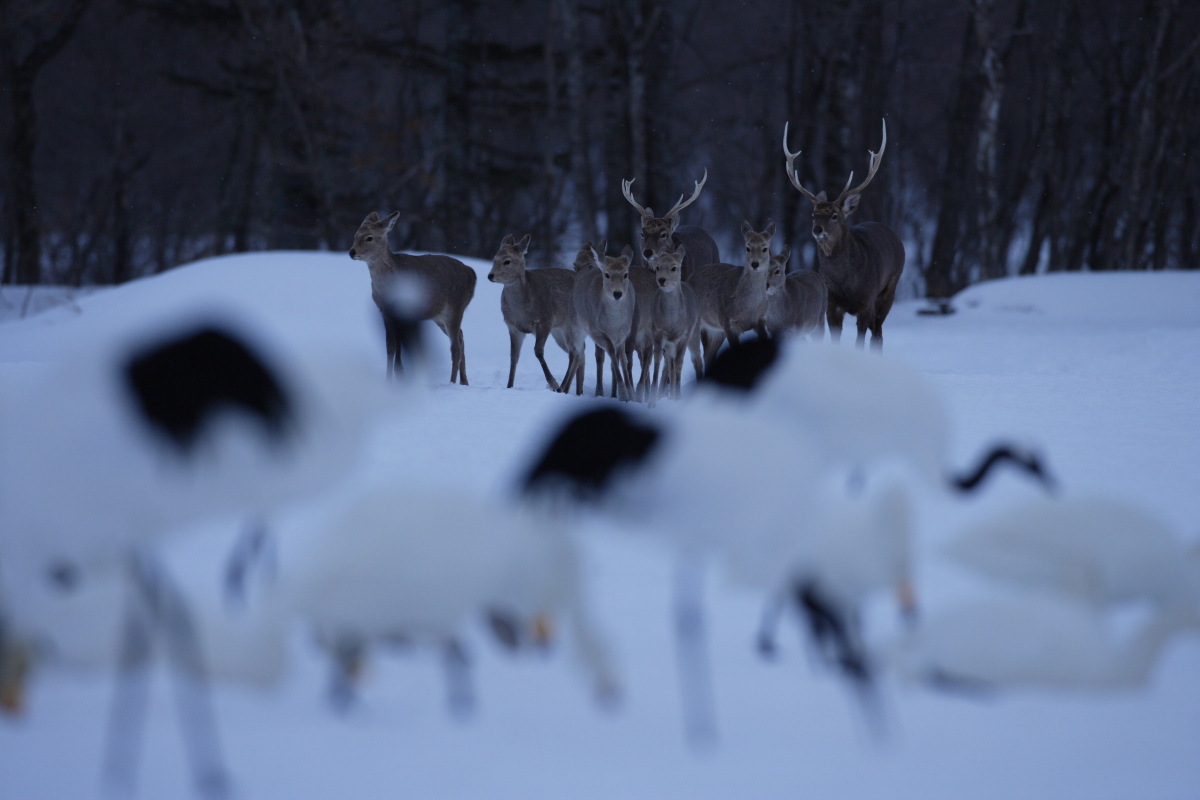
[831,631]
[181,382]
[589,450]
[1021,459]
[742,367]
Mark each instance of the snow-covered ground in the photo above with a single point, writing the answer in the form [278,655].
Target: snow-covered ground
[1101,372]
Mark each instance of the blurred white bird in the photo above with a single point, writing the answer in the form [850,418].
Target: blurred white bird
[1034,640]
[856,408]
[396,563]
[128,438]
[1095,549]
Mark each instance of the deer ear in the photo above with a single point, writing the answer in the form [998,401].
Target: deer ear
[390,222]
[784,255]
[603,246]
[627,253]
[371,218]
[770,231]
[523,245]
[681,251]
[596,256]
[822,198]
[508,240]
[850,204]
[746,228]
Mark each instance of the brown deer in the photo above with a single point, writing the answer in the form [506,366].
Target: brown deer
[732,299]
[536,301]
[861,265]
[795,302]
[449,282]
[663,234]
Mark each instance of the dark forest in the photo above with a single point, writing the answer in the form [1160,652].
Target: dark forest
[1023,137]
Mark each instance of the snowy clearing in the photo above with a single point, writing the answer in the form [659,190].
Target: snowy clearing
[1100,371]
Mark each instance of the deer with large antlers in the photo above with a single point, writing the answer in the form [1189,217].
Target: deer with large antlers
[664,234]
[861,264]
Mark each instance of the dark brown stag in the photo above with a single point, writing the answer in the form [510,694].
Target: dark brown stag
[862,263]
[664,234]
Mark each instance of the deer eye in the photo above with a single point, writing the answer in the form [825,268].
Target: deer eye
[507,261]
[674,269]
[662,235]
[834,217]
[370,238]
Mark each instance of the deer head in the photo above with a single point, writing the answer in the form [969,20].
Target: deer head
[614,272]
[509,262]
[668,268]
[657,231]
[777,272]
[829,218]
[370,242]
[584,258]
[758,246]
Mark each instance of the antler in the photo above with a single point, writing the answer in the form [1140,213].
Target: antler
[627,190]
[876,160]
[791,170]
[681,205]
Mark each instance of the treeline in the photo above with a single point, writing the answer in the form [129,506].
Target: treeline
[1023,136]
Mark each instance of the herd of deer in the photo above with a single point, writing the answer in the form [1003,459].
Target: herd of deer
[681,299]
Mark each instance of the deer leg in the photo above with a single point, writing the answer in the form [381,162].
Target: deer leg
[539,350]
[515,340]
[389,337]
[599,371]
[462,355]
[834,317]
[715,340]
[694,348]
[862,323]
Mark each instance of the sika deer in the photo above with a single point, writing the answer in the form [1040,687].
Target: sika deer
[733,300]
[663,234]
[795,302]
[675,320]
[861,264]
[602,307]
[536,301]
[449,282]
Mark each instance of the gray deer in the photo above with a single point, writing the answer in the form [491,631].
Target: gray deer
[449,282]
[662,234]
[675,320]
[733,300]
[795,302]
[603,307]
[861,264]
[536,301]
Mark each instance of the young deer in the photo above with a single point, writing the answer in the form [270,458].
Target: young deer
[795,302]
[536,301]
[662,234]
[675,320]
[449,282]
[602,307]
[861,264]
[642,339]
[733,300]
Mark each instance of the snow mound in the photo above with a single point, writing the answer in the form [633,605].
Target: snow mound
[1169,299]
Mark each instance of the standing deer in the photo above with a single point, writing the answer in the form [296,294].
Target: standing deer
[795,302]
[603,307]
[675,321]
[861,264]
[534,301]
[660,234]
[450,285]
[733,300]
